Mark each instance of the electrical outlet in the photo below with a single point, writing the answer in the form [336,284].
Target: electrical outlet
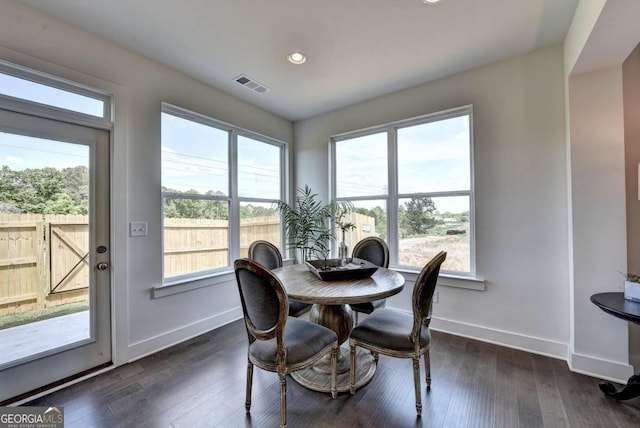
[138,228]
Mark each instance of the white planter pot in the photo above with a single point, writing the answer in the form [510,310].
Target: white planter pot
[632,291]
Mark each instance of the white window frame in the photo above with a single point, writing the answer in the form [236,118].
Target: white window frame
[233,198]
[21,105]
[393,197]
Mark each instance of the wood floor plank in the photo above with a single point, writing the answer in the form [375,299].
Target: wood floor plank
[506,402]
[459,408]
[551,405]
[529,411]
[484,392]
[201,383]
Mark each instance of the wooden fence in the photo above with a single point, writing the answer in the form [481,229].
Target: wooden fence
[192,245]
[43,261]
[44,258]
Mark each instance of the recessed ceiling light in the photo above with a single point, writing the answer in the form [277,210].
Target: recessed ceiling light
[430,1]
[297,58]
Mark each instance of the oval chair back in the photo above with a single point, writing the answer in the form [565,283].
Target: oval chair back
[264,301]
[373,250]
[268,255]
[423,290]
[376,251]
[265,253]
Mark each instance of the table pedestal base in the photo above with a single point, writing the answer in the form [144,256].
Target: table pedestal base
[318,376]
[630,390]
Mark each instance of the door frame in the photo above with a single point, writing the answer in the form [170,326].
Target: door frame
[120,102]
[65,360]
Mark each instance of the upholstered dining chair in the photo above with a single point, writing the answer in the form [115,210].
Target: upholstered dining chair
[376,251]
[278,343]
[399,334]
[268,255]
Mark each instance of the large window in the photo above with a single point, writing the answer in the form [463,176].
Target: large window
[219,187]
[410,183]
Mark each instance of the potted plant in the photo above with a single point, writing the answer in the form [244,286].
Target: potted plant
[343,249]
[307,224]
[631,286]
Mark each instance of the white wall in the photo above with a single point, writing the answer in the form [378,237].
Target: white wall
[631,97]
[143,324]
[521,210]
[599,219]
[602,35]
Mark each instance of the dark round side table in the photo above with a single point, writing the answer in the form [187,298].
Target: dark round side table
[616,305]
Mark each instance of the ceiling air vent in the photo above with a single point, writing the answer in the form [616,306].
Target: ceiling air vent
[252,84]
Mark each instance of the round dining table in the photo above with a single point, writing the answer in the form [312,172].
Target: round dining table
[331,299]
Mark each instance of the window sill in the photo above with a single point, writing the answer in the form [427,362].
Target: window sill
[187,284]
[449,280]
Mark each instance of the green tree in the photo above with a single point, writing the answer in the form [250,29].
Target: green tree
[75,183]
[251,211]
[177,207]
[44,190]
[417,217]
[9,190]
[380,217]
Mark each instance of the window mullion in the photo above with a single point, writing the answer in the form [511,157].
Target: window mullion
[234,208]
[392,196]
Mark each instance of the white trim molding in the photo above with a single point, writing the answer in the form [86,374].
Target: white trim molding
[157,343]
[522,342]
[599,368]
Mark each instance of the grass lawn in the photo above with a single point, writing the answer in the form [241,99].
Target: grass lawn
[418,250]
[14,320]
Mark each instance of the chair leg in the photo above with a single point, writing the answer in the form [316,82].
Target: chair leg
[416,381]
[247,403]
[283,400]
[334,370]
[427,369]
[352,374]
[356,318]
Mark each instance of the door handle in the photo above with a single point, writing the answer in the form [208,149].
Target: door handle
[102,266]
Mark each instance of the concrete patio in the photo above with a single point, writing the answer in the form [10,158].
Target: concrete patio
[22,341]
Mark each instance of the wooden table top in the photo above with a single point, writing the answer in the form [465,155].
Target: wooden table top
[303,286]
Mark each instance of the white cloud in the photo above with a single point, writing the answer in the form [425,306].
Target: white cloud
[14,159]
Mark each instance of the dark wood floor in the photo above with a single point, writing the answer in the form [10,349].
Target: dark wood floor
[201,383]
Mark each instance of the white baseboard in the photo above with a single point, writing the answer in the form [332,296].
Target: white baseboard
[583,364]
[599,368]
[157,343]
[531,344]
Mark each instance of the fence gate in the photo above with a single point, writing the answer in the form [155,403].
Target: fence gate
[68,257]
[44,261]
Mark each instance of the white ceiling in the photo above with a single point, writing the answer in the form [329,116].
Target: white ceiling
[358,49]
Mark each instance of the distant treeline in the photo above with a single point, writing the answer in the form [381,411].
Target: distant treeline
[66,191]
[44,190]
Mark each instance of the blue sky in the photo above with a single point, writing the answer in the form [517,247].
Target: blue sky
[25,89]
[195,156]
[432,157]
[20,152]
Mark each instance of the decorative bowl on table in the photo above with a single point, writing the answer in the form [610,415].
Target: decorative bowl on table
[330,269]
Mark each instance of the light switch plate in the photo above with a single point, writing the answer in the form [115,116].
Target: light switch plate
[138,228]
